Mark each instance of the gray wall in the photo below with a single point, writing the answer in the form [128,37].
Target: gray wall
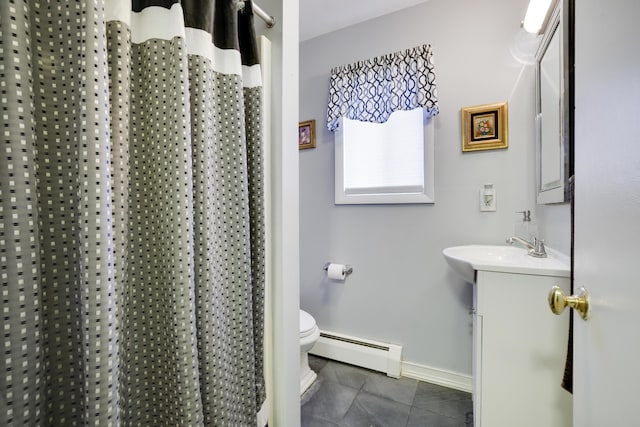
[401,290]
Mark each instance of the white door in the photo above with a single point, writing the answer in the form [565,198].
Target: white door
[607,215]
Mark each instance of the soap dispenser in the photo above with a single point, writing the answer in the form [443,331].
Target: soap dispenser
[522,228]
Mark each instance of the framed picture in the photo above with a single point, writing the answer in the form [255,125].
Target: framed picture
[485,127]
[307,135]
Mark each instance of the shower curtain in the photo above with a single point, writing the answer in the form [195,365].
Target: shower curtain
[131,238]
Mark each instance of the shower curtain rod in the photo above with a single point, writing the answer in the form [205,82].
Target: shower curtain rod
[269,19]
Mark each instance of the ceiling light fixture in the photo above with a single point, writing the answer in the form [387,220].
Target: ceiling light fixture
[536,14]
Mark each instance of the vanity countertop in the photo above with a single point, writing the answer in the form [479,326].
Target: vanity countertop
[468,259]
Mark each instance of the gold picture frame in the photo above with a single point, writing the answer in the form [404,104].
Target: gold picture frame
[307,134]
[485,127]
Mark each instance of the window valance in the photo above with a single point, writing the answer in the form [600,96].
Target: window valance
[371,90]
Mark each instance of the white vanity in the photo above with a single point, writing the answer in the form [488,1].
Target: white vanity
[519,346]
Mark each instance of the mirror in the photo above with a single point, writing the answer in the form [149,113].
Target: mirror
[554,109]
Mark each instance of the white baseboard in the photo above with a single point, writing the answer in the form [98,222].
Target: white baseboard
[384,357]
[375,355]
[437,376]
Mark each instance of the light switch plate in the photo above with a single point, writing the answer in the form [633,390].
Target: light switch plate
[487,200]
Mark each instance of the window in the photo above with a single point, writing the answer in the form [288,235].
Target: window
[389,162]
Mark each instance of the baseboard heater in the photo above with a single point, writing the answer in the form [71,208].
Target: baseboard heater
[378,356]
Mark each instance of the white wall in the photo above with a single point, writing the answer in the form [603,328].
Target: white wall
[401,290]
[554,225]
[282,340]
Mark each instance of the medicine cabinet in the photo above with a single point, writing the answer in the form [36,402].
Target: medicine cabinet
[554,105]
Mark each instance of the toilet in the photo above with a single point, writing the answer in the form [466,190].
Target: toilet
[309,334]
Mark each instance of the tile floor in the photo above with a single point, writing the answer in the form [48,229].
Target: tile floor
[349,396]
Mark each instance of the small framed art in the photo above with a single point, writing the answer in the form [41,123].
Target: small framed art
[485,127]
[307,135]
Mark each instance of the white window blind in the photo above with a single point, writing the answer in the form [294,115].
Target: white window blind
[384,157]
[389,162]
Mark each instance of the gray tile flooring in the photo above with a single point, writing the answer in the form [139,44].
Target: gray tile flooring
[349,396]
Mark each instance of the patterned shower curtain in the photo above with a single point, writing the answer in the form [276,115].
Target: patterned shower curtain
[131,240]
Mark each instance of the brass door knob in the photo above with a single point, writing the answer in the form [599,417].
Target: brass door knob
[580,302]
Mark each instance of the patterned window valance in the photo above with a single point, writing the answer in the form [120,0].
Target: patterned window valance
[371,90]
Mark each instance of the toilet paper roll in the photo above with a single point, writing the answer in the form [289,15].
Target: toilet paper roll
[336,271]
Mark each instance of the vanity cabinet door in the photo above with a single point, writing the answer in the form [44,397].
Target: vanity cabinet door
[476,359]
[522,352]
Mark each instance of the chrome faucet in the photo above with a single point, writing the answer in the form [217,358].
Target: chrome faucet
[536,249]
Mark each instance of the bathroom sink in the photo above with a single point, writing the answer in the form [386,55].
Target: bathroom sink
[466,260]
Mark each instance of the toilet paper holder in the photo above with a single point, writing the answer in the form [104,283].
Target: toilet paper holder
[346,270]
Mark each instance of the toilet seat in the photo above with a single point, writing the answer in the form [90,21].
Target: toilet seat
[307,324]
